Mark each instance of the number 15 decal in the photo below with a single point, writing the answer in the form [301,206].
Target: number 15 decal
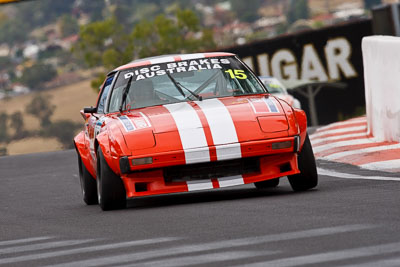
[238,74]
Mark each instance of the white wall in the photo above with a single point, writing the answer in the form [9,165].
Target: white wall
[381,56]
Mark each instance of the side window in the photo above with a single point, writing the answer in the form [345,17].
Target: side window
[103,98]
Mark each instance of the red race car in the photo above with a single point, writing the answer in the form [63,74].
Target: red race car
[179,123]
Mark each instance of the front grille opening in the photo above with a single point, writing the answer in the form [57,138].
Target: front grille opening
[210,170]
[285,167]
[140,187]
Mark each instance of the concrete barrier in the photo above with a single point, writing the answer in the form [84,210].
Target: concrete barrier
[381,57]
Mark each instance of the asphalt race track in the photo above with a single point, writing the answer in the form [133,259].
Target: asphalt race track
[352,219]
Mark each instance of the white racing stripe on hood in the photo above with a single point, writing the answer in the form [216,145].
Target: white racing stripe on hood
[190,131]
[222,128]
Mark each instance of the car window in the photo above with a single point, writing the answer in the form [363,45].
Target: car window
[273,85]
[180,81]
[104,93]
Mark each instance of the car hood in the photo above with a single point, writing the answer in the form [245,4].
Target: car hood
[203,123]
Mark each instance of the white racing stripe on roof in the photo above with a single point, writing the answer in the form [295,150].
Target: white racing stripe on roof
[382,165]
[338,131]
[361,151]
[190,131]
[222,129]
[230,181]
[162,60]
[192,56]
[316,142]
[321,148]
[225,244]
[199,185]
[330,256]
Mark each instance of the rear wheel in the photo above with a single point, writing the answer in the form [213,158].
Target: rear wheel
[110,188]
[308,176]
[88,184]
[267,184]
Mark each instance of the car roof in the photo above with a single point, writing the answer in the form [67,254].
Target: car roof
[169,58]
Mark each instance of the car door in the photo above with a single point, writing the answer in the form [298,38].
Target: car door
[95,122]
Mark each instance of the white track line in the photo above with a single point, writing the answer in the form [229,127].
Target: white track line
[24,240]
[338,131]
[341,123]
[202,259]
[40,246]
[321,148]
[83,250]
[353,176]
[333,138]
[338,155]
[171,251]
[331,256]
[382,165]
[393,262]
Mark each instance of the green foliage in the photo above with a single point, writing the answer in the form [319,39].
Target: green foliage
[98,81]
[3,127]
[94,8]
[68,25]
[99,37]
[298,10]
[41,108]
[13,31]
[38,74]
[246,10]
[64,131]
[106,43]
[17,123]
[166,35]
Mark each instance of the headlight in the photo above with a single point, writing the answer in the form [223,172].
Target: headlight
[142,161]
[282,145]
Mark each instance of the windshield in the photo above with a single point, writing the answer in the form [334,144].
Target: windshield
[181,81]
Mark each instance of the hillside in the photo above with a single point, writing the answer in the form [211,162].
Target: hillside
[68,100]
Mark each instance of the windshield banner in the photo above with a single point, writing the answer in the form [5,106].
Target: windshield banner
[176,67]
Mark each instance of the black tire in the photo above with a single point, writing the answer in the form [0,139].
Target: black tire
[88,184]
[308,176]
[267,184]
[110,188]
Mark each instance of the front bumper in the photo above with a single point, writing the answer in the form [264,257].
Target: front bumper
[157,178]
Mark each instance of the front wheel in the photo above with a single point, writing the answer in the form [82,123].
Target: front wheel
[308,176]
[88,184]
[110,188]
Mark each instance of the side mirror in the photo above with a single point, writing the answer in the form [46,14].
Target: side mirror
[90,110]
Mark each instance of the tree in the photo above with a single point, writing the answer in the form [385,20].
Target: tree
[64,131]
[3,127]
[41,108]
[104,37]
[168,35]
[17,123]
[106,43]
[68,25]
[246,10]
[298,9]
[37,74]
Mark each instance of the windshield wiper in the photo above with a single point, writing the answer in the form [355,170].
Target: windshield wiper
[125,94]
[180,86]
